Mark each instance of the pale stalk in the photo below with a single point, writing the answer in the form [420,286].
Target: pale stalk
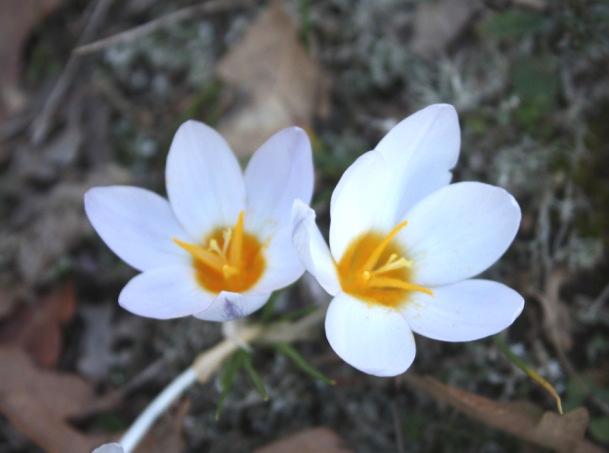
[209,361]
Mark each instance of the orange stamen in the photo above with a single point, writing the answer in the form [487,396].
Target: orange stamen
[234,253]
[378,251]
[211,259]
[385,282]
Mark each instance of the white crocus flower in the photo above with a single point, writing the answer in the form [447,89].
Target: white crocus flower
[404,245]
[222,243]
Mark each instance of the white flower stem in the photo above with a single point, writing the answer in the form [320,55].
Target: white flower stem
[209,361]
[158,406]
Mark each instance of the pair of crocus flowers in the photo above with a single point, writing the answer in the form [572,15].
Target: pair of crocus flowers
[404,243]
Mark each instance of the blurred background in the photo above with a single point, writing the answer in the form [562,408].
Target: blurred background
[91,93]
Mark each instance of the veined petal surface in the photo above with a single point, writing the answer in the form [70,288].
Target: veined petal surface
[280,172]
[165,293]
[312,248]
[459,231]
[283,265]
[421,151]
[137,224]
[362,201]
[372,338]
[463,311]
[204,181]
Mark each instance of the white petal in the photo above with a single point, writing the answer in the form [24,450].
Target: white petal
[362,201]
[421,150]
[204,180]
[312,248]
[282,264]
[277,174]
[228,306]
[459,231]
[464,311]
[371,338]
[165,292]
[110,448]
[138,225]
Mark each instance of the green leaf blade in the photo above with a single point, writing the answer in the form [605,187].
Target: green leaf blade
[298,360]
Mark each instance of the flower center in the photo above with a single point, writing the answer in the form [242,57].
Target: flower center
[229,259]
[375,268]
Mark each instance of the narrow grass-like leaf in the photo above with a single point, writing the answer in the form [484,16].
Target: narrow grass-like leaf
[254,376]
[529,371]
[268,310]
[302,363]
[304,10]
[227,378]
[297,314]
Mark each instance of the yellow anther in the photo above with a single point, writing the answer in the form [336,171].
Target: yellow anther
[214,247]
[375,267]
[392,265]
[227,259]
[378,251]
[236,244]
[229,271]
[226,237]
[385,282]
[201,253]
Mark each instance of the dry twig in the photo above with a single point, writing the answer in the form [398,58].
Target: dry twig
[132,34]
[42,122]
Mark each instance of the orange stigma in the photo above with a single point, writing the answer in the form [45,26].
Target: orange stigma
[388,283]
[229,259]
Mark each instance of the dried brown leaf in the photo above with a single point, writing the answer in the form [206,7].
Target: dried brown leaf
[557,320]
[55,221]
[37,328]
[37,403]
[16,21]
[438,23]
[522,419]
[10,293]
[280,81]
[319,440]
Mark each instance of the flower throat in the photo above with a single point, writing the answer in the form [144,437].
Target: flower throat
[229,259]
[375,268]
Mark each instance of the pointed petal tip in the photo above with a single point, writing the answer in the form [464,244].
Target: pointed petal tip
[92,193]
[87,198]
[511,200]
[297,134]
[190,123]
[518,307]
[297,130]
[442,112]
[443,106]
[97,193]
[440,108]
[301,209]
